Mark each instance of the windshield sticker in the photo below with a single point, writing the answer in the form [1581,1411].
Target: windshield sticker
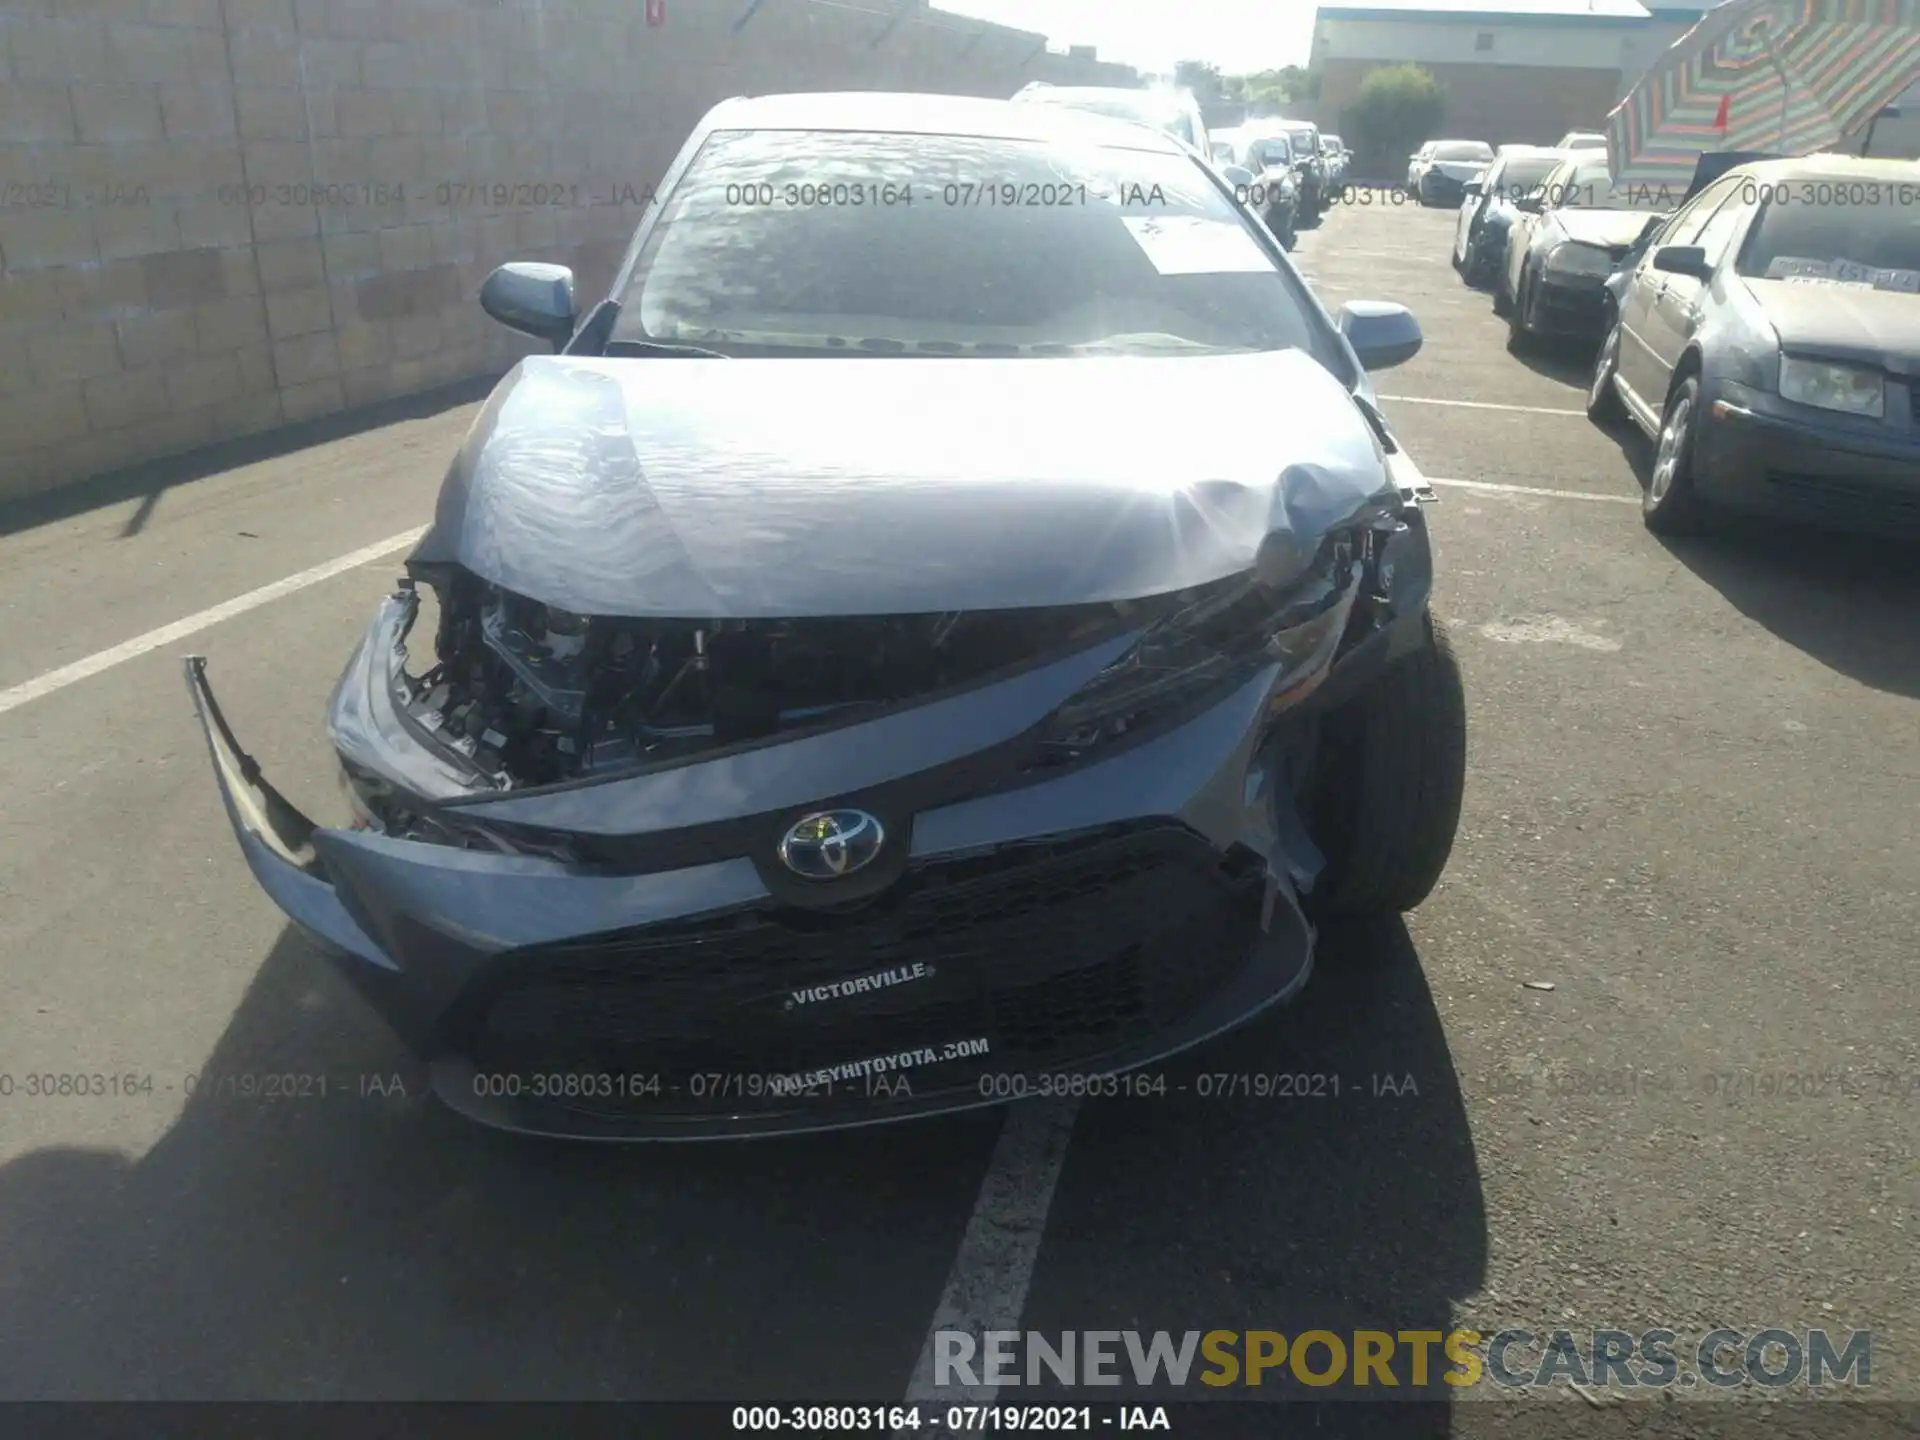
[1842,274]
[1196,245]
[1827,282]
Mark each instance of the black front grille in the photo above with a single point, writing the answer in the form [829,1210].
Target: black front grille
[1055,953]
[1846,502]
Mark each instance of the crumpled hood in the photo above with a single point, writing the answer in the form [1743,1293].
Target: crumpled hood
[1606,228]
[723,489]
[1881,327]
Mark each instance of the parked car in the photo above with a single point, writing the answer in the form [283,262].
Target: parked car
[1274,192]
[1175,112]
[1338,158]
[1488,211]
[1415,161]
[1623,268]
[1309,163]
[1442,170]
[1565,243]
[1582,140]
[787,728]
[1223,144]
[1706,170]
[1769,344]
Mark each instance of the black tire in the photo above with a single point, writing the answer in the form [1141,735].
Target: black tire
[1518,335]
[1604,406]
[1671,507]
[1392,769]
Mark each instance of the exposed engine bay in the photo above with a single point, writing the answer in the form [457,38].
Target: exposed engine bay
[535,696]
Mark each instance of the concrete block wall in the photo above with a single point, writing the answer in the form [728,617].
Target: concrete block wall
[222,216]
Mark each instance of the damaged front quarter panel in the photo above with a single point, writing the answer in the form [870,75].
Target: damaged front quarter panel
[370,729]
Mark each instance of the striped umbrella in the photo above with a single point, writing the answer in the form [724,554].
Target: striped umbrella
[1787,76]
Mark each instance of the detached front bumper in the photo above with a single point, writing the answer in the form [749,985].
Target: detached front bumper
[1085,920]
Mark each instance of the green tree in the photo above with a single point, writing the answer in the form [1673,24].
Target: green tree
[1201,78]
[1398,108]
[1274,90]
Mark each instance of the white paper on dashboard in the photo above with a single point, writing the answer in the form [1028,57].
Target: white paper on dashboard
[1196,245]
[1798,267]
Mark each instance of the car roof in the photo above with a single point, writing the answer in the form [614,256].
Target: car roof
[1509,152]
[1459,142]
[908,114]
[1831,167]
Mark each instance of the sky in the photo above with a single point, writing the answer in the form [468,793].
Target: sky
[1237,35]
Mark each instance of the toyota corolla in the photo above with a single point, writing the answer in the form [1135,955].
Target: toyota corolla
[858,667]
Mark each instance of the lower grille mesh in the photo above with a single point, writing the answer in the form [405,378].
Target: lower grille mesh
[1055,953]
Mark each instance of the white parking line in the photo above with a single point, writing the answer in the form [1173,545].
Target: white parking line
[987,1286]
[92,665]
[1479,405]
[1499,489]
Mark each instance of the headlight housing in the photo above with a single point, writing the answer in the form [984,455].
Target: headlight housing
[1850,389]
[1570,257]
[1214,638]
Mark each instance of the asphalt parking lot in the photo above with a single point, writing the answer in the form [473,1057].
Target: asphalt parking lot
[1694,776]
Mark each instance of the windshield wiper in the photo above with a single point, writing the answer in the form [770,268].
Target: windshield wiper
[661,347]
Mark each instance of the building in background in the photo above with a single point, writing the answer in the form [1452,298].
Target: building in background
[1524,71]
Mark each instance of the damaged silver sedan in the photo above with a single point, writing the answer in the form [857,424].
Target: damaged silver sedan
[867,664]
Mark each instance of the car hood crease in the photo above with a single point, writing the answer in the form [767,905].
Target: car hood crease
[1878,326]
[768,488]
[1601,227]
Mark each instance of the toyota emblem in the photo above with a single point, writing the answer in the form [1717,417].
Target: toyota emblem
[831,843]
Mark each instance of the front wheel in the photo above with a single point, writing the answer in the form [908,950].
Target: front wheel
[1519,322]
[1670,506]
[1603,400]
[1391,773]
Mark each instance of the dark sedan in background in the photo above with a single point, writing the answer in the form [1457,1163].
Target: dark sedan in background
[1570,235]
[1770,344]
[1491,206]
[793,746]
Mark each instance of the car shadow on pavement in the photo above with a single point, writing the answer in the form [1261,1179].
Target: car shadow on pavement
[362,1245]
[1813,589]
[148,481]
[367,1244]
[1849,603]
[1345,1197]
[1568,361]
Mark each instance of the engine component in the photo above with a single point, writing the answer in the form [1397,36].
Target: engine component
[542,696]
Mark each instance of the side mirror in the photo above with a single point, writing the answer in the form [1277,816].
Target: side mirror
[1238,176]
[533,298]
[1473,187]
[1382,334]
[1683,260]
[1534,204]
